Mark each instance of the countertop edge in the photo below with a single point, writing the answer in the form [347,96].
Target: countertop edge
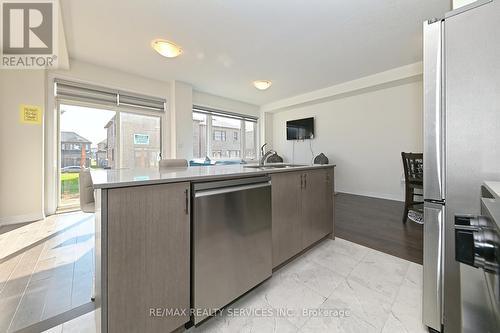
[207,177]
[493,187]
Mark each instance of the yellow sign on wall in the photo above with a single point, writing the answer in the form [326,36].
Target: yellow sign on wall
[30,114]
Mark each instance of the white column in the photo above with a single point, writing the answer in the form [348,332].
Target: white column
[181,120]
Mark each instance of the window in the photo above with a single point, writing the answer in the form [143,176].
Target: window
[250,140]
[219,135]
[223,136]
[221,124]
[199,135]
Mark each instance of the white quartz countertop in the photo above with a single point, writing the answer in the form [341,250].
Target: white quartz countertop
[492,205]
[494,188]
[135,177]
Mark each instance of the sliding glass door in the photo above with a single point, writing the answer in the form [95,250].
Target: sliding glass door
[100,138]
[83,143]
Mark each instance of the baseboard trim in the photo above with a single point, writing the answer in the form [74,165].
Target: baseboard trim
[21,219]
[372,195]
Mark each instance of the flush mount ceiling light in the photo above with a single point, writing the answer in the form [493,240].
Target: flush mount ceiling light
[166,48]
[262,84]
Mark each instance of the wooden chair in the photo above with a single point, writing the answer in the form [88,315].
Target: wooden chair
[413,165]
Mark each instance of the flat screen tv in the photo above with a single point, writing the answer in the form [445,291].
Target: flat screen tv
[300,129]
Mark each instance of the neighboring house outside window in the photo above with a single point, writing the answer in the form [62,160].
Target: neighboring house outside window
[134,154]
[102,154]
[225,137]
[75,150]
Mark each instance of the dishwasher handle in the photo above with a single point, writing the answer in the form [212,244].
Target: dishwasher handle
[222,190]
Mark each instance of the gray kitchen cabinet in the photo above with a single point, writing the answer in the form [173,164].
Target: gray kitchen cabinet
[317,205]
[330,197]
[148,263]
[303,210]
[286,216]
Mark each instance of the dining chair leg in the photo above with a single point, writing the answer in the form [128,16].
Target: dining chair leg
[407,202]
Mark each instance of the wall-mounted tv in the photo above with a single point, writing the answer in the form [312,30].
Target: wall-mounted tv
[300,129]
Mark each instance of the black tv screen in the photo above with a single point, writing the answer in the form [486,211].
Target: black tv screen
[300,129]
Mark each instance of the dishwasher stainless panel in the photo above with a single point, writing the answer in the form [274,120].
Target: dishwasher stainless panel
[232,242]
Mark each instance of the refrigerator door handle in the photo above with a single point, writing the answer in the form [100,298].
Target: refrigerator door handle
[433,265]
[433,111]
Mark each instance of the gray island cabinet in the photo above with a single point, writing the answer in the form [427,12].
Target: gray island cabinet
[143,236]
[303,211]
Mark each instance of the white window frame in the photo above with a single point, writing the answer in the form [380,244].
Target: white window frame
[243,119]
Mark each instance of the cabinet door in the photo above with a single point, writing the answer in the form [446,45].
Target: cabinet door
[317,206]
[330,197]
[148,256]
[286,221]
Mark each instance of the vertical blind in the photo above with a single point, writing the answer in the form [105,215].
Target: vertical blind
[87,93]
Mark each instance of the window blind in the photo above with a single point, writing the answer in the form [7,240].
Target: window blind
[86,93]
[227,114]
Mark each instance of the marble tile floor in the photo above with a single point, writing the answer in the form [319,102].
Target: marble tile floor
[344,287]
[46,269]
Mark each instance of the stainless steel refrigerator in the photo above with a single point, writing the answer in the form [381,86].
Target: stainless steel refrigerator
[461,144]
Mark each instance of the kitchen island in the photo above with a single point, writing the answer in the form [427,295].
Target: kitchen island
[145,251]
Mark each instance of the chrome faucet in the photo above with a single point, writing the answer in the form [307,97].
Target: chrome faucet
[264,155]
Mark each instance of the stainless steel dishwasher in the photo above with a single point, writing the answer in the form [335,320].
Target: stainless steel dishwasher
[231,241]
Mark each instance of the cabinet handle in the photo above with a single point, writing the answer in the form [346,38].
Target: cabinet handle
[186,209]
[301,181]
[305,180]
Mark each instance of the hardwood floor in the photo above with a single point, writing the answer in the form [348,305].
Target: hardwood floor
[46,270]
[376,223]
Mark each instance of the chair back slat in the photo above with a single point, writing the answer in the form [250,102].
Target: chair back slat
[413,165]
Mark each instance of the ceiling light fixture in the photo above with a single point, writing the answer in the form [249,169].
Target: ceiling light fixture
[166,48]
[262,84]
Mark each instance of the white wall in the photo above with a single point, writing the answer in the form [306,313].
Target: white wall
[266,128]
[461,3]
[362,133]
[181,122]
[21,147]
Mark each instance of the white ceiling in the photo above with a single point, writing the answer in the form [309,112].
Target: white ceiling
[301,45]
